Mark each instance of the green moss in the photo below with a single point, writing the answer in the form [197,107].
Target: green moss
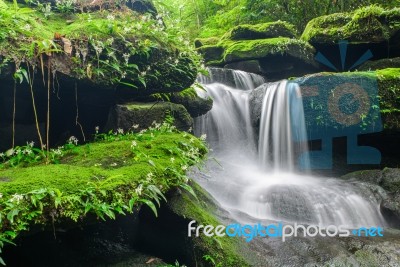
[368,24]
[262,31]
[253,49]
[145,113]
[389,92]
[113,162]
[224,250]
[212,52]
[104,178]
[199,42]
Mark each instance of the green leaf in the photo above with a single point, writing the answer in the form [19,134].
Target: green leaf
[132,201]
[150,204]
[12,214]
[152,163]
[189,189]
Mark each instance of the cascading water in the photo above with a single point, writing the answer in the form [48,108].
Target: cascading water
[262,185]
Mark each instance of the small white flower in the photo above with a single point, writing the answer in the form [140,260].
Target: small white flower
[27,27]
[113,164]
[172,160]
[176,61]
[120,131]
[10,152]
[126,58]
[73,140]
[17,198]
[97,128]
[149,176]
[184,167]
[203,137]
[139,190]
[190,130]
[110,41]
[135,126]
[2,155]
[143,73]
[31,144]
[134,144]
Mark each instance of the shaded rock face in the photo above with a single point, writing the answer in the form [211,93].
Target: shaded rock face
[195,105]
[76,108]
[380,64]
[144,114]
[108,243]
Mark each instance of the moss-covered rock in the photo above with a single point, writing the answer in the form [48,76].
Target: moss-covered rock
[104,179]
[380,64]
[371,24]
[261,31]
[224,250]
[194,104]
[144,114]
[253,49]
[212,53]
[199,42]
[114,47]
[389,93]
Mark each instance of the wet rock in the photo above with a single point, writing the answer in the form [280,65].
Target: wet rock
[144,114]
[194,104]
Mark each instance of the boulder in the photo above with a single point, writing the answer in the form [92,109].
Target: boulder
[269,49]
[261,31]
[199,42]
[194,104]
[370,27]
[124,116]
[380,64]
[274,58]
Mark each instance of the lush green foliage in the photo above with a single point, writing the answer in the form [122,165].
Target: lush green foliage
[207,18]
[118,47]
[111,176]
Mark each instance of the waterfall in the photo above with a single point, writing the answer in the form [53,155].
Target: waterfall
[227,125]
[282,122]
[257,181]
